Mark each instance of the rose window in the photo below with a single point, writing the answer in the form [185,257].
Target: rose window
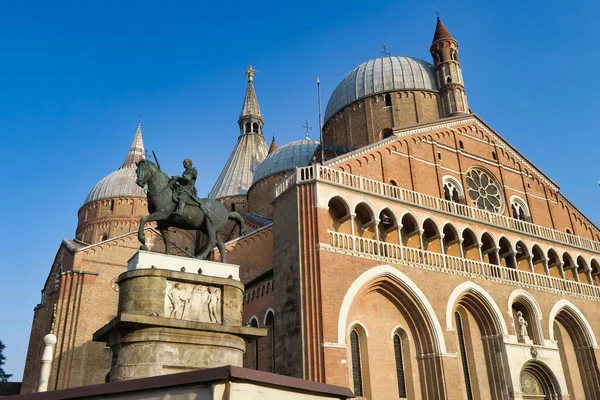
[484,190]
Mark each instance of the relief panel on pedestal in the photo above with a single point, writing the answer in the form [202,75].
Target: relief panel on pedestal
[192,302]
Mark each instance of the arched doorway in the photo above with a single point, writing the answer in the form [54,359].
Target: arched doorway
[538,382]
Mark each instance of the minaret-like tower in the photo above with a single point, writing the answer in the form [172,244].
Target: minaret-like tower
[444,51]
[251,120]
[251,149]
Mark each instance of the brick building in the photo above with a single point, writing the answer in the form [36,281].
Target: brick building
[423,258]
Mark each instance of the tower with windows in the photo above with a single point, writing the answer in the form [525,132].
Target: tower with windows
[444,51]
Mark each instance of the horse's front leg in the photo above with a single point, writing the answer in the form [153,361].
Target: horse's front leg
[155,216]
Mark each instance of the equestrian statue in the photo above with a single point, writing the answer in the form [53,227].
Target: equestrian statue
[172,202]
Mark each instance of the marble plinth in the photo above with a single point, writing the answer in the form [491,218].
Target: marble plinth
[149,260]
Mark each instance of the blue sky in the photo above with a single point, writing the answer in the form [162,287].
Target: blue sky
[75,76]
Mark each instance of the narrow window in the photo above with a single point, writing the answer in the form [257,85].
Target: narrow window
[439,155]
[356,367]
[255,127]
[254,324]
[247,127]
[449,79]
[232,206]
[463,355]
[388,100]
[270,322]
[494,156]
[399,366]
[568,231]
[112,206]
[461,145]
[528,185]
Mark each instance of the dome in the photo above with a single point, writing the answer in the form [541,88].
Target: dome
[379,76]
[120,183]
[289,156]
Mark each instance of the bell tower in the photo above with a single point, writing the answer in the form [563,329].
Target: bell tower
[444,50]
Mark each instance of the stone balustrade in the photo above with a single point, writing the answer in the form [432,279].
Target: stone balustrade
[450,264]
[373,187]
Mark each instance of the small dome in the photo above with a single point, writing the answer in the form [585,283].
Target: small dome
[120,183]
[381,75]
[287,157]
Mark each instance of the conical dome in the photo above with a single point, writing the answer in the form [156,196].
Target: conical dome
[121,183]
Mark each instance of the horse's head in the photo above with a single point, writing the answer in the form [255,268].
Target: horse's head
[143,173]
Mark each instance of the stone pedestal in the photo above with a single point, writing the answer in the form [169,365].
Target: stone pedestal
[170,321]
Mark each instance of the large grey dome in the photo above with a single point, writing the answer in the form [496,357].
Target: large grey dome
[379,76]
[287,157]
[120,183]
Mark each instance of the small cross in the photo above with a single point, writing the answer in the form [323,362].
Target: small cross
[384,51]
[308,128]
[438,14]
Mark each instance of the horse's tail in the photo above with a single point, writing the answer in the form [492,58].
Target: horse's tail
[240,221]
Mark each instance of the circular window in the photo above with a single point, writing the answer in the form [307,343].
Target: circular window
[484,191]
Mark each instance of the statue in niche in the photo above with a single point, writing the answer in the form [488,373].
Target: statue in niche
[522,332]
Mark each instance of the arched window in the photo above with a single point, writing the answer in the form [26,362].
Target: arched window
[254,324]
[519,209]
[388,100]
[461,145]
[399,365]
[232,206]
[449,79]
[452,189]
[393,183]
[463,355]
[356,363]
[255,127]
[248,127]
[103,237]
[270,325]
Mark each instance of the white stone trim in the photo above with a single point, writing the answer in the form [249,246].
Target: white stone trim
[254,317]
[473,287]
[352,324]
[409,285]
[267,313]
[333,345]
[564,303]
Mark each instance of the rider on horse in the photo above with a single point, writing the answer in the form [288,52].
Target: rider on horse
[184,186]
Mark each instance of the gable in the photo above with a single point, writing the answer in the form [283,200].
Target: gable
[422,157]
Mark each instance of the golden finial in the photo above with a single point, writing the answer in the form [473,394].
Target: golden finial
[250,72]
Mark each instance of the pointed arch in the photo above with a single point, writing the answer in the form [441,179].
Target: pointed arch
[487,301]
[577,316]
[545,378]
[405,282]
[420,317]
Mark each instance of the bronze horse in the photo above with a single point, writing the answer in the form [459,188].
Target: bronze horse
[209,218]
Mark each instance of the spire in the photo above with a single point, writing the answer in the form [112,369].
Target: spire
[136,150]
[250,150]
[273,146]
[251,120]
[441,32]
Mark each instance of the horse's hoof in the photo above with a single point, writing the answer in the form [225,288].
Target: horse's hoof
[144,247]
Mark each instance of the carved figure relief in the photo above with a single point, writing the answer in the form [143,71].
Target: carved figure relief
[192,302]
